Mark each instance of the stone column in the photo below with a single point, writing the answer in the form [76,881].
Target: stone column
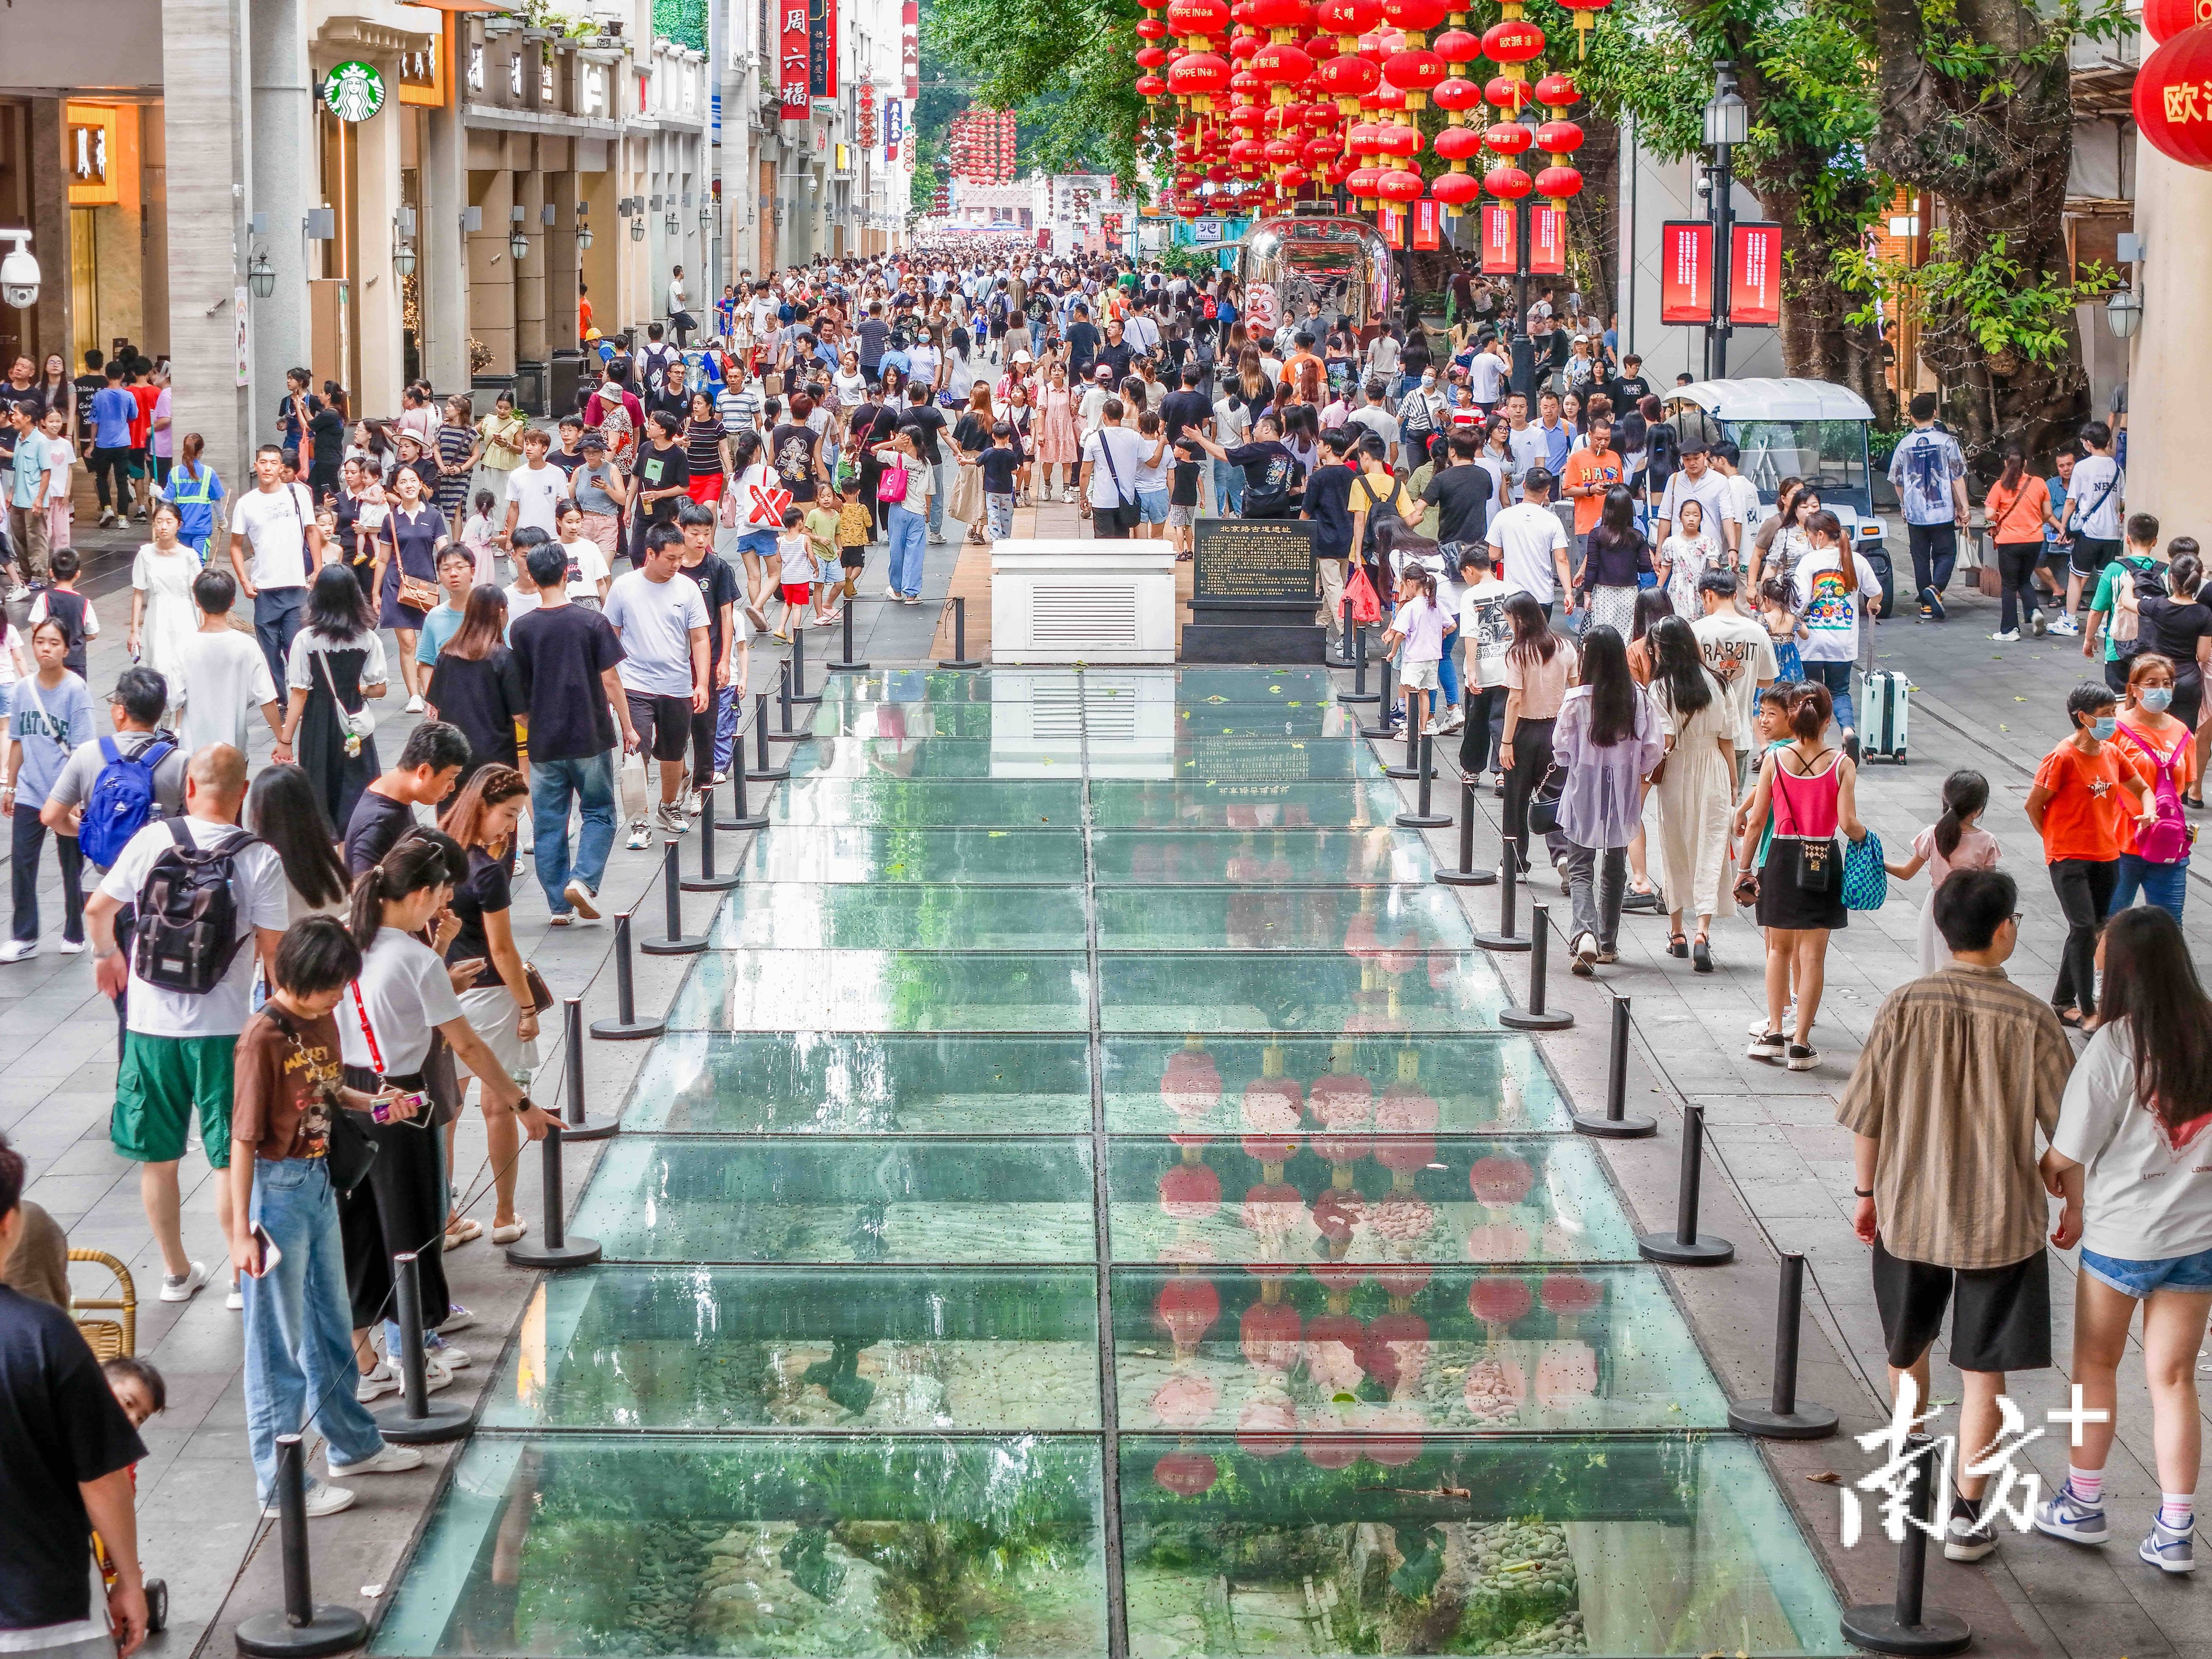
[444,269]
[491,270]
[285,182]
[2173,216]
[379,349]
[561,261]
[204,46]
[530,342]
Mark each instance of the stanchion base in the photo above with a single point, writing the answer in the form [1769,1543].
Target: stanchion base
[683,945]
[959,662]
[848,668]
[750,820]
[1422,821]
[593,1127]
[707,883]
[1703,1251]
[1467,877]
[1503,941]
[806,699]
[331,1629]
[573,1252]
[1759,1417]
[1404,773]
[1390,731]
[1359,696]
[627,1031]
[797,734]
[439,1422]
[768,774]
[1876,1628]
[1614,1128]
[1552,1019]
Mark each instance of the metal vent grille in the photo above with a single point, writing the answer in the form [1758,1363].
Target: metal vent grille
[1056,711]
[1066,617]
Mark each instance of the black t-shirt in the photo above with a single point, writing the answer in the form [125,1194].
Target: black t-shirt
[487,888]
[1082,346]
[663,469]
[374,830]
[1269,466]
[1182,489]
[482,698]
[718,584]
[326,428]
[1328,504]
[790,453]
[1626,391]
[562,650]
[567,463]
[676,405]
[931,420]
[2172,627]
[873,332]
[12,398]
[1179,409]
[999,462]
[1461,495]
[1118,358]
[61,1428]
[1614,560]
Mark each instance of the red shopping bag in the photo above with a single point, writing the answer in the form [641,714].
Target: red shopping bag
[1366,609]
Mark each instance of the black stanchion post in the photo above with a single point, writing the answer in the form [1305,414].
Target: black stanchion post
[763,771]
[1905,1625]
[1424,815]
[1466,875]
[1359,693]
[798,691]
[1781,1416]
[1344,657]
[850,665]
[304,1630]
[742,817]
[959,659]
[1411,767]
[678,942]
[1386,708]
[1534,1016]
[626,1026]
[1616,1124]
[1684,1247]
[1506,938]
[575,1122]
[783,696]
[553,1248]
[708,881]
[414,1419]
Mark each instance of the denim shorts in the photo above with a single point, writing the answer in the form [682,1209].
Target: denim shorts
[2139,1278]
[1153,504]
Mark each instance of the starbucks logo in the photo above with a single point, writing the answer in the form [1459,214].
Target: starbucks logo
[353,91]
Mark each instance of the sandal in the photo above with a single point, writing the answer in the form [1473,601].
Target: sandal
[1678,945]
[2194,803]
[2069,1018]
[1701,954]
[507,1232]
[462,1229]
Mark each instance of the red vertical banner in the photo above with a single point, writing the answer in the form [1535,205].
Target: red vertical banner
[910,47]
[1755,275]
[1391,221]
[1499,256]
[792,61]
[1547,241]
[1428,216]
[1685,271]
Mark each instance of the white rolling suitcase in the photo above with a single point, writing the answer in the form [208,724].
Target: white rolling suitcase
[1885,702]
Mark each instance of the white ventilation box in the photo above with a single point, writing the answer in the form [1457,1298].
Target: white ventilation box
[1083,601]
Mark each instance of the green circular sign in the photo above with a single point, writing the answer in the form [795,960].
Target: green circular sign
[353,91]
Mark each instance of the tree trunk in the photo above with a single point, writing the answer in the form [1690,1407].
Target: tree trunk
[1819,340]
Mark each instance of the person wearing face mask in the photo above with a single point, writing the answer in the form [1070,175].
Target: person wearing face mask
[1421,414]
[2083,788]
[2154,862]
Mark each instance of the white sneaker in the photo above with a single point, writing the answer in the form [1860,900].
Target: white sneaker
[2007,637]
[185,1286]
[414,705]
[2066,626]
[561,919]
[894,595]
[670,817]
[388,1460]
[1454,719]
[456,1318]
[70,947]
[376,1382]
[1435,728]
[322,1499]
[1758,1025]
[579,893]
[19,950]
[18,594]
[235,1298]
[641,838]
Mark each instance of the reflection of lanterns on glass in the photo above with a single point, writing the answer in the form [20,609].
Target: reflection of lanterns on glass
[1404,1126]
[1273,1213]
[1499,1181]
[1187,1305]
[1333,1338]
[1191,1088]
[1398,1342]
[1498,1302]
[1186,1474]
[1273,1105]
[1270,1329]
[1186,1400]
[1495,1387]
[1568,1297]
[1566,1375]
[1267,1424]
[1338,1214]
[1189,1191]
[1393,1437]
[1343,1102]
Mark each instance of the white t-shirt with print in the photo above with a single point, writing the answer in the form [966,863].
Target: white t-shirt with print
[1829,591]
[275,531]
[261,903]
[2146,1190]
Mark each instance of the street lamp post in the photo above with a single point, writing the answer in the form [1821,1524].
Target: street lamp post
[1522,348]
[1727,121]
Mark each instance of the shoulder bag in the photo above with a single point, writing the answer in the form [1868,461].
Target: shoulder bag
[1544,805]
[357,723]
[1125,514]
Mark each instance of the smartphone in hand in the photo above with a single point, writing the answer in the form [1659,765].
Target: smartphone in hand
[270,1255]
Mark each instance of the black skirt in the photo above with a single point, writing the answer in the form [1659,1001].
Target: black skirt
[401,1206]
[1783,903]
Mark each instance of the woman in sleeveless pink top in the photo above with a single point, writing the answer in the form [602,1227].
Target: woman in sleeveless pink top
[1808,789]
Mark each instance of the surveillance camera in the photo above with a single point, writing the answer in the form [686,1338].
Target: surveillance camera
[21,296]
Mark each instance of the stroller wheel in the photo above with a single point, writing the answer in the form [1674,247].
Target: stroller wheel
[157,1605]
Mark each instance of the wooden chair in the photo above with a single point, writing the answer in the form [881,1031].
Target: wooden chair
[110,1338]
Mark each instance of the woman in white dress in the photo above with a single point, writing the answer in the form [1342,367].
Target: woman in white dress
[1696,790]
[163,617]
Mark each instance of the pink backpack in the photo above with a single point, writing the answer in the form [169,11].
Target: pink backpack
[2167,840]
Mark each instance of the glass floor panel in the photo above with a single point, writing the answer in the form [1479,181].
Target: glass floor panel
[1116,804]
[911,685]
[882,991]
[1319,858]
[1360,921]
[544,1547]
[656,1200]
[1196,758]
[1285,717]
[910,720]
[1196,683]
[1623,1546]
[800,1084]
[1276,991]
[881,1349]
[1229,1086]
[932,757]
[1450,1351]
[791,916]
[1342,1207]
[879,854]
[928,803]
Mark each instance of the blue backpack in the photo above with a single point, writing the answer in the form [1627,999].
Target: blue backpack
[122,800]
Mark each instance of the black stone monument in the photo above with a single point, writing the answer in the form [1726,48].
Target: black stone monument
[1252,593]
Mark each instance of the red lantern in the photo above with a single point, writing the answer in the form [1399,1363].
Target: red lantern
[1500,1182]
[2171,108]
[1320,151]
[1401,140]
[1270,1332]
[1569,1296]
[2164,19]
[1347,20]
[1348,79]
[1186,1474]
[1188,1307]
[1190,1192]
[1559,137]
[1457,188]
[1511,96]
[1556,91]
[1200,77]
[1512,44]
[1414,73]
[1398,184]
[1282,66]
[1150,58]
[1199,22]
[1507,138]
[1152,87]
[1243,46]
[1151,28]
[1498,1301]
[1455,97]
[1555,184]
[1281,18]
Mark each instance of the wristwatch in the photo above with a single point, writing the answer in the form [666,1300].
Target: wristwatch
[1857,1192]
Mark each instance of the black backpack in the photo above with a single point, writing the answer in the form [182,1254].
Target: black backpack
[188,914]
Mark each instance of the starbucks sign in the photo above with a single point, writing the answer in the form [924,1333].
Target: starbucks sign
[353,91]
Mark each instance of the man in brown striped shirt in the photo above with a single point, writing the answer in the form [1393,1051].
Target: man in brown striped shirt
[1960,1071]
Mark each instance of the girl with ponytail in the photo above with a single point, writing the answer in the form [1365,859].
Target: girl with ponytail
[1419,624]
[1954,841]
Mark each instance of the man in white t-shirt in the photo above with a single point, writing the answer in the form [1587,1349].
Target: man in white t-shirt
[1699,481]
[1742,503]
[660,616]
[1736,648]
[679,314]
[222,678]
[176,1049]
[1529,545]
[1111,456]
[1486,377]
[274,550]
[534,490]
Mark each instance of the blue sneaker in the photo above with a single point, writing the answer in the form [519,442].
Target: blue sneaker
[2166,1549]
[2063,1515]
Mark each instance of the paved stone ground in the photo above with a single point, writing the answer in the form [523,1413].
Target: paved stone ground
[1780,1163]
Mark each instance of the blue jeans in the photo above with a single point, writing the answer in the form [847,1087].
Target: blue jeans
[937,502]
[2165,886]
[299,1324]
[591,783]
[276,612]
[1228,490]
[1448,678]
[726,727]
[1837,677]
[907,527]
